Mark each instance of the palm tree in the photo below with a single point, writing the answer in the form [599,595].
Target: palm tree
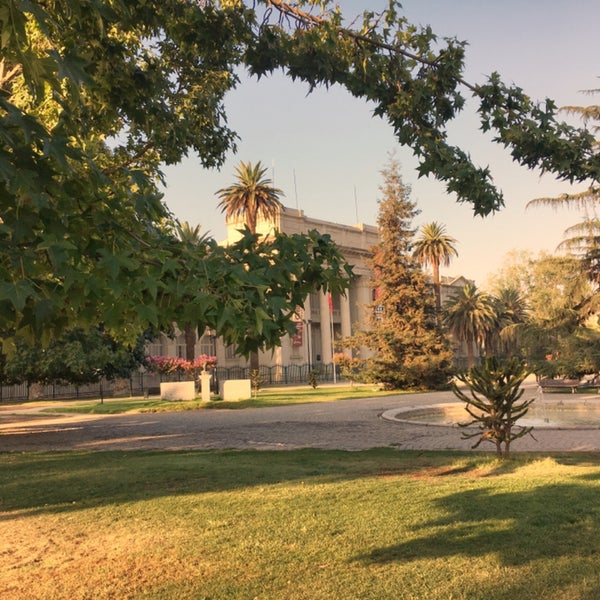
[512,315]
[434,247]
[583,241]
[251,197]
[470,316]
[190,236]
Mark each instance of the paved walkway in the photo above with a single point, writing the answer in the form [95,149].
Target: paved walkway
[349,425]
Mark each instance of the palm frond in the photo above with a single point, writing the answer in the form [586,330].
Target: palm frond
[585,199]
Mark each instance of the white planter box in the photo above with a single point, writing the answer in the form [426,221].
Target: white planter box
[178,390]
[236,389]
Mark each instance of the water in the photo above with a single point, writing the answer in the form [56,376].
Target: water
[576,414]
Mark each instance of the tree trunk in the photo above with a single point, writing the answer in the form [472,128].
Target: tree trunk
[190,342]
[471,353]
[254,364]
[438,294]
[437,287]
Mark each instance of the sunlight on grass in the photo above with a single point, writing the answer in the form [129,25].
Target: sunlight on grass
[268,397]
[298,525]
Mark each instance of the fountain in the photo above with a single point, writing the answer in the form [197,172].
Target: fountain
[566,411]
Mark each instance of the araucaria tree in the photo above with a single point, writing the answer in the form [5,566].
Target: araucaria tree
[495,402]
[409,349]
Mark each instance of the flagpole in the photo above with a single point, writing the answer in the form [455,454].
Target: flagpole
[332,333]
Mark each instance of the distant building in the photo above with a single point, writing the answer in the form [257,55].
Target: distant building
[312,343]
[319,323]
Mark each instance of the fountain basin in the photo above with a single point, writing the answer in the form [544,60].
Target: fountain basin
[542,414]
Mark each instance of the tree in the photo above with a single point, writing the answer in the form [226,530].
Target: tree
[97,97]
[409,349]
[495,391]
[253,196]
[583,239]
[191,236]
[470,316]
[512,317]
[590,196]
[78,357]
[434,247]
[262,281]
[555,335]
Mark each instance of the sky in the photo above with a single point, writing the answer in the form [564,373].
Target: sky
[326,150]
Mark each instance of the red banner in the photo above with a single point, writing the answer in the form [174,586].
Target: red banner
[297,337]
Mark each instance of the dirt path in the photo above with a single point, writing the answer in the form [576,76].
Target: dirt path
[349,425]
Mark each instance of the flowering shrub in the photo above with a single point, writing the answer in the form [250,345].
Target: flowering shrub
[168,365]
[204,363]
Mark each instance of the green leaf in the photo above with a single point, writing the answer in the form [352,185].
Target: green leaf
[17,293]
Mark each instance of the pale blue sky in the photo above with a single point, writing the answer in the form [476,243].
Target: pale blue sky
[326,150]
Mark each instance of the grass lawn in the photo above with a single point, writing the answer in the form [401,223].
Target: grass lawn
[266,397]
[308,524]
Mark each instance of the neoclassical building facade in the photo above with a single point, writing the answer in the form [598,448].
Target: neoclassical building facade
[323,320]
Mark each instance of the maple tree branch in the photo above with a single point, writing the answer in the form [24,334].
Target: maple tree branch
[308,19]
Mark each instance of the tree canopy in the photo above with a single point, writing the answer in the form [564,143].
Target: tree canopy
[253,196]
[409,349]
[98,96]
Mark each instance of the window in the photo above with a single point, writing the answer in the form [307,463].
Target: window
[207,345]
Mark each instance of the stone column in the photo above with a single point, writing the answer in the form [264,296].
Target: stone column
[307,331]
[364,299]
[205,385]
[325,329]
[346,319]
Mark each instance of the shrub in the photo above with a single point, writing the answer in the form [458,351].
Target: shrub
[169,365]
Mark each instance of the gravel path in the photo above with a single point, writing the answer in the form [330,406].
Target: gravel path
[348,425]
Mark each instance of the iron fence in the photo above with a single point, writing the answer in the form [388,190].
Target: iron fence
[145,384]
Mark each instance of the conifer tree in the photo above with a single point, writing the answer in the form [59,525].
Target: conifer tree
[409,350]
[494,402]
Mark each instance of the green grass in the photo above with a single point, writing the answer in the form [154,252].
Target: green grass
[298,525]
[266,397]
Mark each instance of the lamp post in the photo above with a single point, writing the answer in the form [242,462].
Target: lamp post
[212,334]
[308,324]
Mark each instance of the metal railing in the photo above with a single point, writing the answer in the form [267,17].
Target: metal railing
[142,383]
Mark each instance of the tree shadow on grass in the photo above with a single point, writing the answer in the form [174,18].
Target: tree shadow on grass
[518,527]
[52,482]
[553,528]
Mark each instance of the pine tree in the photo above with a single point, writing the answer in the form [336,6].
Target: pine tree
[410,351]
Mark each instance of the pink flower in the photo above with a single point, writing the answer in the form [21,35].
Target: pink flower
[165,365]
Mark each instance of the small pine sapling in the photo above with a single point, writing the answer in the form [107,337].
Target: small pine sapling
[313,378]
[255,381]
